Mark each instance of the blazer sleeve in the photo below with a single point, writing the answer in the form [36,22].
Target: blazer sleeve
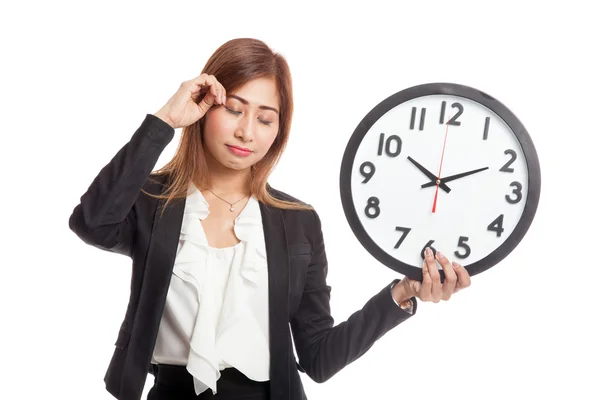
[324,349]
[105,217]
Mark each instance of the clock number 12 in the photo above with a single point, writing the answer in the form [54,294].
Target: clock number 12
[454,119]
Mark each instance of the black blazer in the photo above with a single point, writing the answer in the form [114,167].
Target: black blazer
[114,215]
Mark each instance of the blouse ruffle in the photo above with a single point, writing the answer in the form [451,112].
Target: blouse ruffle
[239,337]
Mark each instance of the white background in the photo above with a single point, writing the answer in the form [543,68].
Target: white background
[78,78]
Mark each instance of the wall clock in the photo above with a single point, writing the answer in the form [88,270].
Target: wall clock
[440,165]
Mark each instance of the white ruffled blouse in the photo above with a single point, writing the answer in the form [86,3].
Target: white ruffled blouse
[216,312]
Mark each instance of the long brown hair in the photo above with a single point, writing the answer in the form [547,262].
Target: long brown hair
[233,64]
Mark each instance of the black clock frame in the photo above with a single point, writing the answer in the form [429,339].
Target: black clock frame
[531,158]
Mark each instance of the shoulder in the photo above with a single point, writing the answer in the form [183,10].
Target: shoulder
[307,217]
[306,209]
[280,195]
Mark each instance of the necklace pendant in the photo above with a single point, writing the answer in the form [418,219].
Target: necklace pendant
[232,209]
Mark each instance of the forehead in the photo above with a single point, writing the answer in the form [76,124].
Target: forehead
[260,92]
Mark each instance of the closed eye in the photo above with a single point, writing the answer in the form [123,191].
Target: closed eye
[232,111]
[268,123]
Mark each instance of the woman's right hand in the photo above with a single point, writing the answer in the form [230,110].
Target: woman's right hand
[183,108]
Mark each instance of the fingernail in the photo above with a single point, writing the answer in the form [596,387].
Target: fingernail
[454,264]
[428,252]
[439,254]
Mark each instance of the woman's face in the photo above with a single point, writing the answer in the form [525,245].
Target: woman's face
[240,133]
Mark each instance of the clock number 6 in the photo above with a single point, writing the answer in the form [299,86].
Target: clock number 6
[372,209]
[429,244]
[462,242]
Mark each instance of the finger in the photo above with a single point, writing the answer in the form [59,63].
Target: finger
[449,276]
[206,83]
[425,291]
[224,93]
[198,83]
[219,90]
[207,102]
[463,277]
[436,285]
[416,286]
[215,89]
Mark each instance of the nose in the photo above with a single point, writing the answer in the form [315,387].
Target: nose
[245,128]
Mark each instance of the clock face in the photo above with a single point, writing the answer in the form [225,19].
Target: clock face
[440,165]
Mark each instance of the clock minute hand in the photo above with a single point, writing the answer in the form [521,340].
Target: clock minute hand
[430,175]
[454,177]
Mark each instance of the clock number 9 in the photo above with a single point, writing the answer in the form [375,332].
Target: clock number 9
[367,169]
[372,209]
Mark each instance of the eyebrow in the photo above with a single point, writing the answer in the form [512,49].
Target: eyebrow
[244,101]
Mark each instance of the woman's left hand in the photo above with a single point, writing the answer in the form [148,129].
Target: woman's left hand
[431,288]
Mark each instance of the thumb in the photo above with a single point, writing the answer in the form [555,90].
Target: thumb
[415,286]
[207,102]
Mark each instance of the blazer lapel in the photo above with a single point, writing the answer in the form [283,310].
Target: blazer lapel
[159,267]
[278,269]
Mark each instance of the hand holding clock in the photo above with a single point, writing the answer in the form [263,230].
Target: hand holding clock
[431,288]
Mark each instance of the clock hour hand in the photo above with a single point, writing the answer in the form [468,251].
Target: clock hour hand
[454,177]
[430,175]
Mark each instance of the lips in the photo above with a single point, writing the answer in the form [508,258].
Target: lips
[239,151]
[240,148]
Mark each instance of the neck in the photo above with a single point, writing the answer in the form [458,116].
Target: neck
[226,181]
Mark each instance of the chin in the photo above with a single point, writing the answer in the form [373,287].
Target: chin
[238,167]
[236,164]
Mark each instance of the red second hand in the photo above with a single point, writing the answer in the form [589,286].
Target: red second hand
[437,186]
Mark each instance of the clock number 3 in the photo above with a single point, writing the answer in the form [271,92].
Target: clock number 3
[372,209]
[517,191]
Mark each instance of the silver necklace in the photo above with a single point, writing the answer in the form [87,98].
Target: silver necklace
[232,209]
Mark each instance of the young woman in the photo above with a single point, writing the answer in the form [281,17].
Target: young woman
[223,264]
